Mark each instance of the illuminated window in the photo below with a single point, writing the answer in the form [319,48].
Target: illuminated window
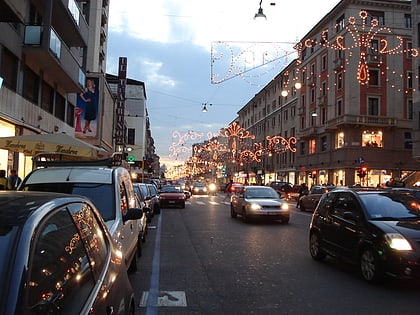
[339,140]
[312,146]
[372,139]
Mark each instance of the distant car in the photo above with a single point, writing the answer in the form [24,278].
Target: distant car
[147,211]
[199,188]
[415,191]
[172,195]
[376,229]
[59,258]
[259,202]
[310,201]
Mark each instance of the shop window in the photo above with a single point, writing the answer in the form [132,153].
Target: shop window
[372,139]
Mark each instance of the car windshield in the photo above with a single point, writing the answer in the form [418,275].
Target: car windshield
[262,192]
[101,195]
[171,189]
[391,206]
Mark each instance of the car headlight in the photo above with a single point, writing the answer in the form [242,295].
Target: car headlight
[255,206]
[397,241]
[285,206]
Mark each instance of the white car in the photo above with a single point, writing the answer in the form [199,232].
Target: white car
[109,188]
[259,202]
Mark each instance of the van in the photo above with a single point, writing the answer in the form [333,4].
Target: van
[109,187]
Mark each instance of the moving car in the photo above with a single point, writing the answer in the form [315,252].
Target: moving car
[259,202]
[310,201]
[283,188]
[109,187]
[172,195]
[59,258]
[376,229]
[199,188]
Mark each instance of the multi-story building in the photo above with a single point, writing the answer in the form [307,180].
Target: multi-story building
[44,53]
[415,5]
[51,52]
[353,106]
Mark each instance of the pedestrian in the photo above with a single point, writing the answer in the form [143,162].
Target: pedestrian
[14,179]
[228,190]
[90,99]
[4,183]
[303,190]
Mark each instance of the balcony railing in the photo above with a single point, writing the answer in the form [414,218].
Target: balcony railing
[361,120]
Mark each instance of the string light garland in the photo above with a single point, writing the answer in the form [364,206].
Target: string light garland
[368,36]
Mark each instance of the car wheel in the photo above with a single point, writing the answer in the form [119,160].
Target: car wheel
[314,247]
[233,214]
[245,217]
[369,266]
[302,207]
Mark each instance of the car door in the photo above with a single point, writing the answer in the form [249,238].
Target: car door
[347,228]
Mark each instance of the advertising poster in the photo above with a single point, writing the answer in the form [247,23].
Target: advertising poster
[86,112]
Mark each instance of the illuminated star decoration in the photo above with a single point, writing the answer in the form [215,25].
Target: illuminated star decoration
[363,36]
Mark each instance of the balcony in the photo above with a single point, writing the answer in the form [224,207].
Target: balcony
[308,133]
[56,60]
[322,100]
[68,21]
[365,121]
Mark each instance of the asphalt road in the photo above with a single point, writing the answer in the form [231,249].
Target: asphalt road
[199,260]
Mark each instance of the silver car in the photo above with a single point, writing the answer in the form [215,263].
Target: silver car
[259,201]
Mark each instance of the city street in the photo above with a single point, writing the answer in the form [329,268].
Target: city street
[199,260]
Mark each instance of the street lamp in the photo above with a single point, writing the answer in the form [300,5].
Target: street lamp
[260,14]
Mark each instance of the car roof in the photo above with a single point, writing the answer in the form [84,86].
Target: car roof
[72,174]
[17,206]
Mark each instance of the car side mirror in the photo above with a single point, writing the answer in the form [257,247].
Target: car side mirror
[348,215]
[133,214]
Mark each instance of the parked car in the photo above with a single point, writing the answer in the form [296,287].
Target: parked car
[110,189]
[259,202]
[415,191]
[59,258]
[310,201]
[151,198]
[147,211]
[376,229]
[155,200]
[281,187]
[172,195]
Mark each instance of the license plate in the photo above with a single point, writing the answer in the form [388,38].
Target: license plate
[171,201]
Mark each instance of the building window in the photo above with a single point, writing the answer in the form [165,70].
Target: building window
[376,15]
[47,99]
[323,115]
[312,95]
[339,24]
[339,80]
[374,47]
[30,85]
[410,110]
[60,106]
[373,106]
[302,148]
[372,138]
[374,77]
[293,111]
[339,143]
[339,109]
[312,146]
[323,143]
[9,69]
[409,50]
[408,142]
[71,115]
[409,79]
[324,62]
[324,88]
[407,21]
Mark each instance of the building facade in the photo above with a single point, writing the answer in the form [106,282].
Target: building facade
[347,99]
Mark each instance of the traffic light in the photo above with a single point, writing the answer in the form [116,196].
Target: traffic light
[362,172]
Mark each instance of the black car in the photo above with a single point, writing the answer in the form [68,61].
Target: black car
[376,229]
[59,258]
